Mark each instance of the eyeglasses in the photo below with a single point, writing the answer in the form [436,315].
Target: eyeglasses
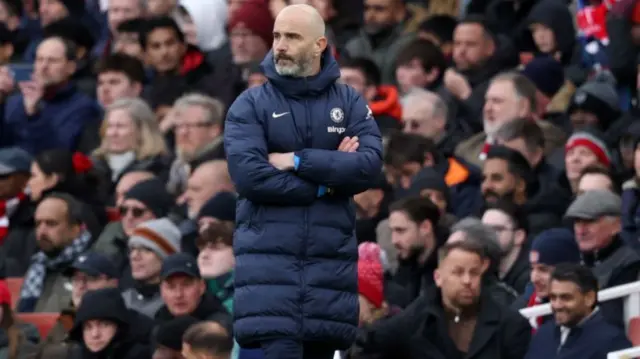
[136,212]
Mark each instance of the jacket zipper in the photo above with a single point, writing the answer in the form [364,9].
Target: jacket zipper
[303,254]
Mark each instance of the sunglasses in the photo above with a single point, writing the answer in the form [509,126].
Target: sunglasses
[136,212]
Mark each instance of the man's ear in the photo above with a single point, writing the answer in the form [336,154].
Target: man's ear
[520,237]
[321,45]
[521,185]
[437,277]
[591,298]
[485,265]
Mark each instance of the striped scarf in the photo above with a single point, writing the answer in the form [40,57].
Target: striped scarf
[41,265]
[7,208]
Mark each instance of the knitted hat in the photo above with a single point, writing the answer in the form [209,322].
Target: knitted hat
[554,246]
[221,206]
[428,178]
[255,16]
[546,73]
[5,293]
[169,334]
[159,235]
[598,96]
[75,7]
[153,194]
[635,14]
[591,141]
[370,273]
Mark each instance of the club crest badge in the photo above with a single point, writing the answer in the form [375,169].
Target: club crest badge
[336,115]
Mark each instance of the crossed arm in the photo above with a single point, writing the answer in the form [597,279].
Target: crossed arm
[349,170]
[299,178]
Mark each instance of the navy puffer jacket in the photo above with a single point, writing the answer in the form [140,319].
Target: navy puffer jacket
[296,251]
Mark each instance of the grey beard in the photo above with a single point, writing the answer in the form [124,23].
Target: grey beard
[300,68]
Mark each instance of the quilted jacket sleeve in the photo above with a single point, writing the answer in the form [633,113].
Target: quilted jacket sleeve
[347,173]
[247,156]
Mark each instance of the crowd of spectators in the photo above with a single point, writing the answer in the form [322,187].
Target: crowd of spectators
[511,174]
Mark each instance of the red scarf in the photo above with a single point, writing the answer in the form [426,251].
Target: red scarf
[535,322]
[6,210]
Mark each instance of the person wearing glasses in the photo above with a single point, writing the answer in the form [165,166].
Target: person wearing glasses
[149,244]
[506,219]
[144,201]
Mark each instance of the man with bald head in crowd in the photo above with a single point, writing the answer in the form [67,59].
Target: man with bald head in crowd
[207,180]
[299,147]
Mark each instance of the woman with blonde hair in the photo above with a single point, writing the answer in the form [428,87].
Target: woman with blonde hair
[17,340]
[131,141]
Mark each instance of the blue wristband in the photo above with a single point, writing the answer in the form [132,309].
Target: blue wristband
[322,190]
[296,162]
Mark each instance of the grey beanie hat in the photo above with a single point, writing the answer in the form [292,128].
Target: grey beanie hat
[602,87]
[158,235]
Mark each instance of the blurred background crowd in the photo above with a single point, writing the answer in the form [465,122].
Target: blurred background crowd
[509,123]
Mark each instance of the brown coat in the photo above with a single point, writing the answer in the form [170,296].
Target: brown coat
[470,149]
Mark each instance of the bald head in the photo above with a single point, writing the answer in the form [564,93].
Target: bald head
[298,41]
[213,171]
[207,180]
[129,180]
[311,23]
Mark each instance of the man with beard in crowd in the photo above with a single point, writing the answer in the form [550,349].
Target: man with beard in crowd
[454,319]
[296,168]
[416,236]
[507,175]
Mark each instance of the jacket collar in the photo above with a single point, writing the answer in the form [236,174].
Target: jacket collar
[487,323]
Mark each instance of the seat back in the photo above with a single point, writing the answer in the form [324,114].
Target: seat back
[15,285]
[43,321]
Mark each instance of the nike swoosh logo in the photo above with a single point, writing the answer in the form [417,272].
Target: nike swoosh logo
[276,115]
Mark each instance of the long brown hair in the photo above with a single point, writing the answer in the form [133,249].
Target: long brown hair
[14,334]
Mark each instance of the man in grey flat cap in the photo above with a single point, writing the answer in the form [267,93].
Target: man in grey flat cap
[597,226]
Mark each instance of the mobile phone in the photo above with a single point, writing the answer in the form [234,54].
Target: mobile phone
[21,72]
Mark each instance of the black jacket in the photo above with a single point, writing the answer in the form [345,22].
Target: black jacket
[421,332]
[129,341]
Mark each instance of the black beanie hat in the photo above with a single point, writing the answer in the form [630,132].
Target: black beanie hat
[221,206]
[154,195]
[170,333]
[428,178]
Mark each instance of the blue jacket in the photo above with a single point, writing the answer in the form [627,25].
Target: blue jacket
[58,124]
[295,247]
[592,339]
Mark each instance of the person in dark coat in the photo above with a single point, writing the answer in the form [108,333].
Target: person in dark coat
[183,64]
[458,320]
[184,293]
[579,330]
[295,244]
[49,112]
[549,248]
[103,328]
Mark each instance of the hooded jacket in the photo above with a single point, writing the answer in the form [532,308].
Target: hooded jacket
[211,35]
[107,304]
[557,17]
[295,247]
